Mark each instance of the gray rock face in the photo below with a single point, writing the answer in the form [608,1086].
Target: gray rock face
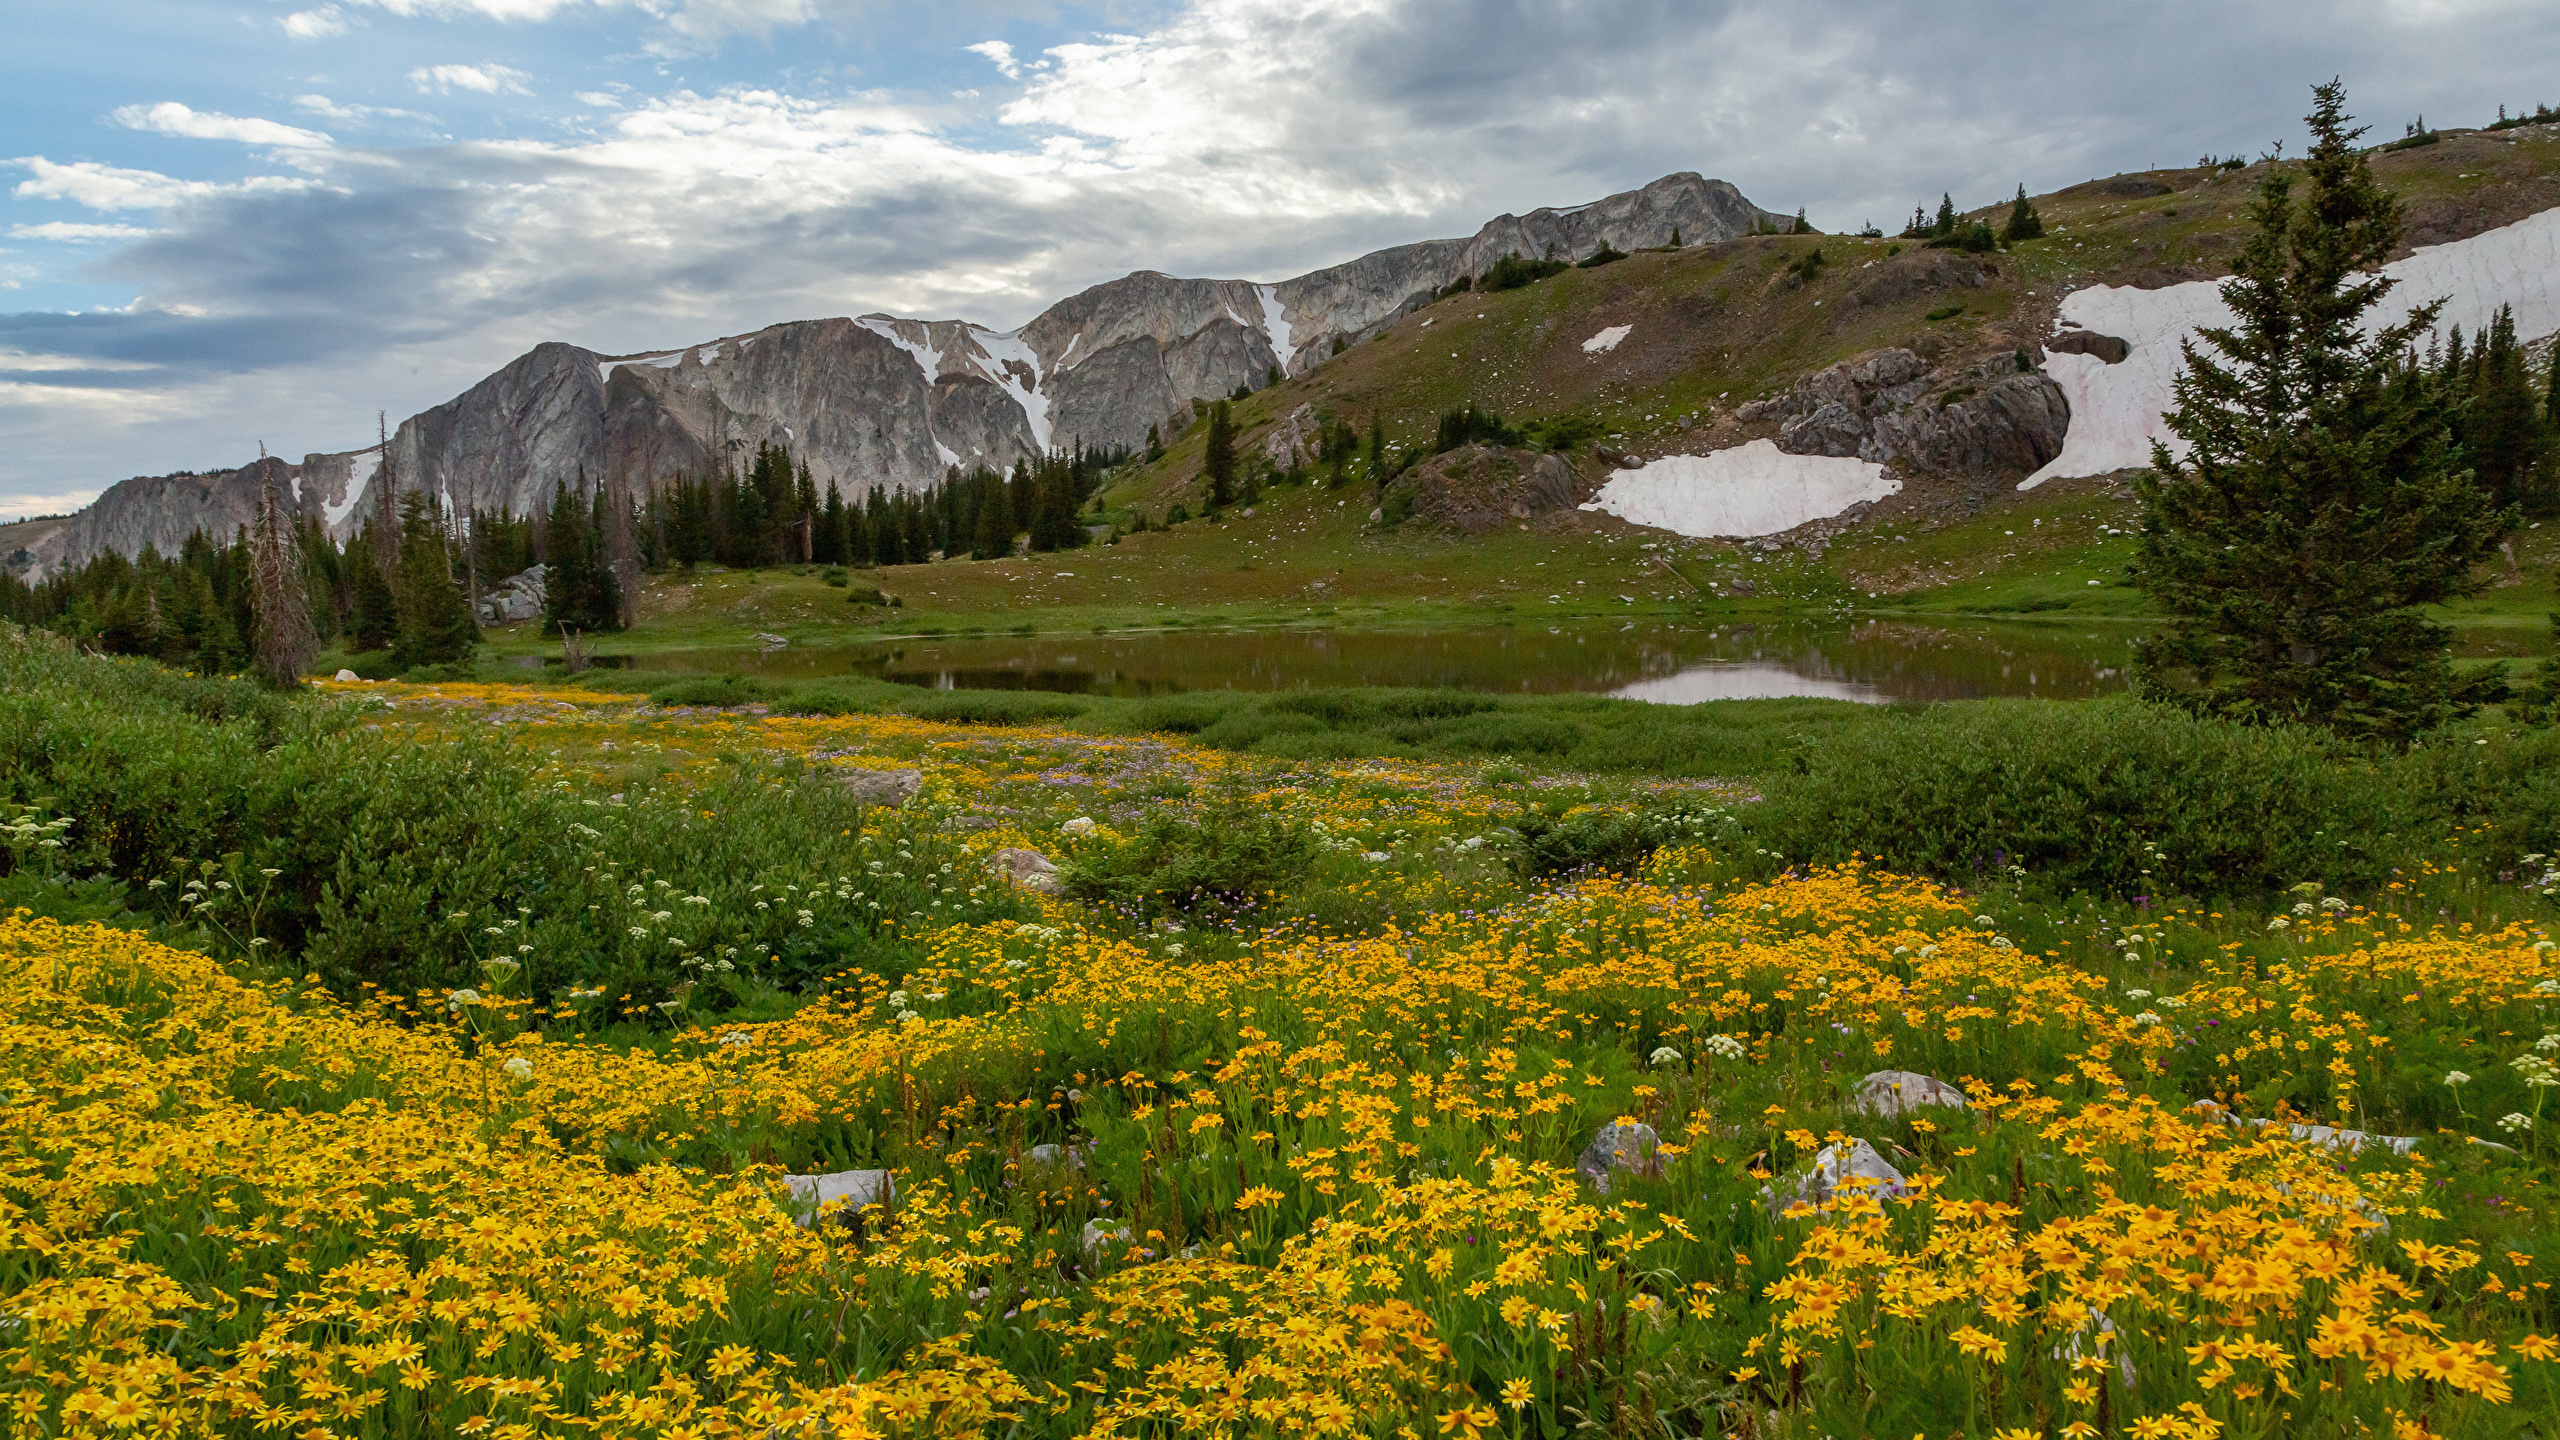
[1477,489]
[1026,869]
[892,788]
[516,599]
[886,401]
[840,1190]
[1894,1092]
[1889,407]
[1634,1148]
[1854,1168]
[161,511]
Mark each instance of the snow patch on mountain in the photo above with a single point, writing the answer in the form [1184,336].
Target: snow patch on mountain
[1607,340]
[889,328]
[1275,324]
[1753,489]
[2117,410]
[1001,351]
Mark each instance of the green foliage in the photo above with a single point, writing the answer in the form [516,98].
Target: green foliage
[1607,254]
[579,593]
[1511,272]
[1807,267]
[723,691]
[2113,797]
[1225,867]
[1945,312]
[2023,223]
[293,833]
[2323,499]
[435,621]
[1218,458]
[995,707]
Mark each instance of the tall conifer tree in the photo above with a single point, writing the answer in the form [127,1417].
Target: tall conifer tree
[436,628]
[2322,498]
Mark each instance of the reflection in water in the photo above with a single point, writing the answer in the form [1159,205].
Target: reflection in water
[1728,681]
[1873,661]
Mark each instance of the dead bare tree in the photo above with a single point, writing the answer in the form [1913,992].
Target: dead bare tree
[279,604]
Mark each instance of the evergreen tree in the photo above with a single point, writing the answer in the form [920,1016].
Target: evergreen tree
[993,538]
[1945,224]
[2502,428]
[1218,458]
[373,621]
[1155,445]
[1377,456]
[2024,222]
[580,593]
[435,626]
[2322,499]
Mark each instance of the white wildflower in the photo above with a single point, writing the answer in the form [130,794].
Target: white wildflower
[1726,1047]
[518,1068]
[1665,1055]
[2514,1121]
[2456,1077]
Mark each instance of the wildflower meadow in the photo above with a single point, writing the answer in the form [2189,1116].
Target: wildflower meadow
[1309,1153]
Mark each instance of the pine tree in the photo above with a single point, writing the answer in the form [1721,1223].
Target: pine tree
[435,627]
[2502,429]
[2322,499]
[1377,456]
[1155,446]
[1803,226]
[1218,458]
[1945,224]
[285,639]
[373,621]
[2024,222]
[1675,237]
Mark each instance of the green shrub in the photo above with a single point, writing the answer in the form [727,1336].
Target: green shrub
[723,691]
[996,707]
[2108,796]
[1225,867]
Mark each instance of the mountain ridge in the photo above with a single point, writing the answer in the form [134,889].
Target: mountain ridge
[888,400]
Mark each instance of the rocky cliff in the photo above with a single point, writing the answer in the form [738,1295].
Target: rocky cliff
[890,401]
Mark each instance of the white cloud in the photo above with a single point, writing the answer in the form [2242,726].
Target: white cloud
[487,79]
[1000,54]
[16,506]
[599,99]
[315,24]
[74,231]
[171,118]
[109,187]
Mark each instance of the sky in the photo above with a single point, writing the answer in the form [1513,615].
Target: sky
[228,223]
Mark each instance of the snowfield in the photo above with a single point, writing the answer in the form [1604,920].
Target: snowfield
[2116,409]
[1607,340]
[1753,489]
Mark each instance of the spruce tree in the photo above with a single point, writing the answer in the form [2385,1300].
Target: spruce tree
[1218,458]
[373,621]
[2502,428]
[2322,499]
[435,626]
[1945,224]
[2024,222]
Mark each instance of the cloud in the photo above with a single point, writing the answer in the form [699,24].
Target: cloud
[1255,138]
[171,118]
[315,24]
[73,231]
[109,187]
[487,79]
[19,507]
[1001,54]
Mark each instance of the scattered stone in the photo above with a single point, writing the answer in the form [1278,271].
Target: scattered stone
[2090,342]
[345,676]
[1025,869]
[1068,1155]
[1081,825]
[892,788]
[1101,1233]
[516,599]
[1892,1093]
[849,1190]
[1620,1147]
[1836,1167]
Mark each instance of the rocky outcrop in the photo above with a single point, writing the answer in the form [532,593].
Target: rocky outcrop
[1477,489]
[516,599]
[1889,407]
[162,511]
[881,400]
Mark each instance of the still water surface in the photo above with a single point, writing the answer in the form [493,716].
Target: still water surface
[1669,663]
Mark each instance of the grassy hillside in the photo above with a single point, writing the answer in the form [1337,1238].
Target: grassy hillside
[1711,327]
